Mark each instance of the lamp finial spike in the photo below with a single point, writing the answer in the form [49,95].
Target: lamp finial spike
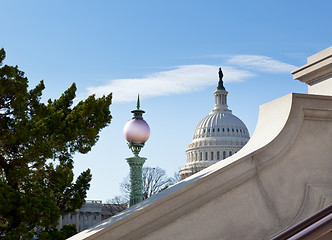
[138,104]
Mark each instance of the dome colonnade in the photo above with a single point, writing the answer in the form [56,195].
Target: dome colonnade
[216,137]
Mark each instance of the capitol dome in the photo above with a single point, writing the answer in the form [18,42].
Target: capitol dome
[216,137]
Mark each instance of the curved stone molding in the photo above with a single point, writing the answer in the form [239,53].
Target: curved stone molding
[316,197]
[280,177]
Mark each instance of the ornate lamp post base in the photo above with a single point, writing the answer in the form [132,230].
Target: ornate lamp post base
[135,164]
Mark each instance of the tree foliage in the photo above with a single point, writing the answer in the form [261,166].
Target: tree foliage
[37,142]
[65,232]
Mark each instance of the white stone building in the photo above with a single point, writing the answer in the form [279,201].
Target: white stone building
[216,137]
[90,214]
[281,177]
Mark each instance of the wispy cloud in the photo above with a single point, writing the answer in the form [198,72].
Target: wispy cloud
[189,78]
[260,63]
[180,80]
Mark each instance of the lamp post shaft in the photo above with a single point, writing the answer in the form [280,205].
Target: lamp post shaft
[135,164]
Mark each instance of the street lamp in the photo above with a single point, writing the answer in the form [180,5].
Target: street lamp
[137,132]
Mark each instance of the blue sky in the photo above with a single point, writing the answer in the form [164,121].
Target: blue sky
[169,52]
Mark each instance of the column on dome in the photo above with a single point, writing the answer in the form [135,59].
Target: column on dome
[220,100]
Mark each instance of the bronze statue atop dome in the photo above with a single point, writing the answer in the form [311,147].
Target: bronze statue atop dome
[221,83]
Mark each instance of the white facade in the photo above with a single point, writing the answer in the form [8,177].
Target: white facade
[91,213]
[217,136]
[279,178]
[88,216]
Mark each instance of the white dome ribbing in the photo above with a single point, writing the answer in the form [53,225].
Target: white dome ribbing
[217,136]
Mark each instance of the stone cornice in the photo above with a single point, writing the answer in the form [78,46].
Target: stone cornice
[317,69]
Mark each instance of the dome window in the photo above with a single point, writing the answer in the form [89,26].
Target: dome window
[215,136]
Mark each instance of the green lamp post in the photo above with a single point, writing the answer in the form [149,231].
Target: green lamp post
[137,132]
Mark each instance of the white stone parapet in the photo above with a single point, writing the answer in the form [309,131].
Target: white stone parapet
[280,177]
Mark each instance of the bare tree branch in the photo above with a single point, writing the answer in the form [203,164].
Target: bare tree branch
[154,179]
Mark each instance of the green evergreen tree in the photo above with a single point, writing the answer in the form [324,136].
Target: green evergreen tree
[37,143]
[65,232]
